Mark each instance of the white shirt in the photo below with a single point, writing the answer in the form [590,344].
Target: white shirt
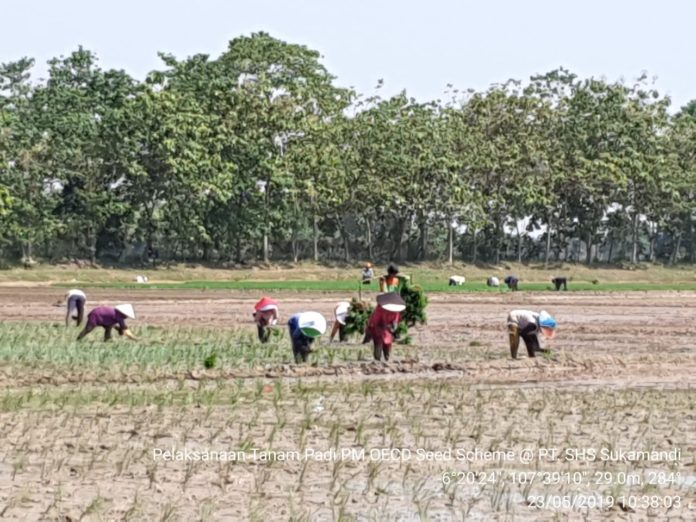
[523,318]
[75,292]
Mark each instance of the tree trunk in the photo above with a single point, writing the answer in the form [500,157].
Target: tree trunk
[423,248]
[692,233]
[547,251]
[634,239]
[398,238]
[519,245]
[674,258]
[588,243]
[475,248]
[344,237]
[450,244]
[368,226]
[265,244]
[611,248]
[315,238]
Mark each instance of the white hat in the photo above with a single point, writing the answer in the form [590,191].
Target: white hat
[126,309]
[312,324]
[341,311]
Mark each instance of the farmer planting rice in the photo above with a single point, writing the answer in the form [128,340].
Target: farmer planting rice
[265,315]
[383,324]
[456,280]
[304,328]
[527,325]
[340,316]
[109,317]
[391,281]
[560,281]
[75,302]
[512,281]
[493,282]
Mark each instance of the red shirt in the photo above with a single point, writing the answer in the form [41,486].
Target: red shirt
[381,323]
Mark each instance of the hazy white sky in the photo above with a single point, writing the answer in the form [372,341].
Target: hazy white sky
[420,46]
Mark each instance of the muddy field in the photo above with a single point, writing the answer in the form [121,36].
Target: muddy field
[90,442]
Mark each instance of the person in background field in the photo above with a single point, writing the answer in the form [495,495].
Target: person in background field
[304,328]
[493,282]
[75,303]
[390,282]
[383,323]
[265,315]
[527,325]
[560,281]
[512,281]
[339,326]
[109,317]
[367,274]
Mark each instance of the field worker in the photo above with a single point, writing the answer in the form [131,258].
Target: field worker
[527,324]
[107,317]
[340,316]
[304,328]
[265,315]
[512,281]
[560,281]
[367,274]
[493,281]
[75,303]
[390,282]
[383,323]
[457,280]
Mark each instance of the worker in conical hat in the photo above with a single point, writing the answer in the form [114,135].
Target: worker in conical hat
[265,315]
[75,300]
[109,317]
[527,325]
[383,324]
[340,315]
[305,328]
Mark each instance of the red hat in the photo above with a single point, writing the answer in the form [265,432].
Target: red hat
[265,304]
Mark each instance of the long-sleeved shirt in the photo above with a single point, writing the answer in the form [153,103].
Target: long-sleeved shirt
[381,324]
[526,320]
[106,316]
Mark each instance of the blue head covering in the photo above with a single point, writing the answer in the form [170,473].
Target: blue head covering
[546,320]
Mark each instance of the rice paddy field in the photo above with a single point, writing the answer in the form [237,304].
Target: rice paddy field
[198,421]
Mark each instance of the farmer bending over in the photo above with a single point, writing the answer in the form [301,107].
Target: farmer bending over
[527,324]
[512,281]
[304,328]
[383,324]
[108,318]
[560,281]
[75,300]
[340,316]
[265,315]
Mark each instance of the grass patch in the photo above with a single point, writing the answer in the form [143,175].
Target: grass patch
[352,286]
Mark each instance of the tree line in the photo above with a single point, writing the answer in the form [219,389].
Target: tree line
[259,156]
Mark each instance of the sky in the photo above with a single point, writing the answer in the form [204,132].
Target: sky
[419,46]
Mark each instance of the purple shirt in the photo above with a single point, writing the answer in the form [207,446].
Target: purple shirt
[106,316]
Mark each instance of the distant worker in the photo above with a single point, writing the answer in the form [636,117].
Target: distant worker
[527,324]
[391,282]
[493,282]
[560,281]
[457,280]
[340,316]
[368,274]
[265,315]
[109,317]
[75,303]
[304,328]
[383,324]
[512,282]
